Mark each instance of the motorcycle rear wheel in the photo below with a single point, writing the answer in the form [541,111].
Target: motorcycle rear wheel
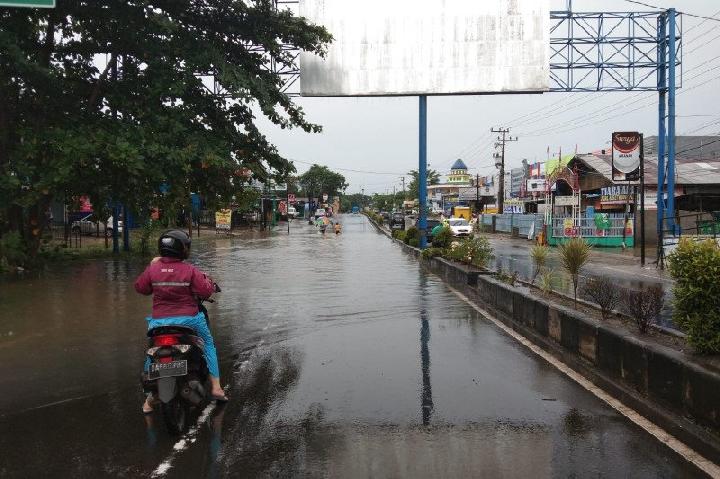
[176,413]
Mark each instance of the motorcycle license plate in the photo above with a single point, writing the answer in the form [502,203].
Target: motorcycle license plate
[165,370]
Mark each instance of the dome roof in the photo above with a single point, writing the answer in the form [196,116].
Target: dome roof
[458,165]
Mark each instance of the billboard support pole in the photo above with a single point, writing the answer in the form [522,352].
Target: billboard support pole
[662,90]
[642,200]
[422,170]
[670,212]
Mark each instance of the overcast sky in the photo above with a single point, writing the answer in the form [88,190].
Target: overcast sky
[380,134]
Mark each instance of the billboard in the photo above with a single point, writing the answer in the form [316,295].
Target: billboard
[427,47]
[626,156]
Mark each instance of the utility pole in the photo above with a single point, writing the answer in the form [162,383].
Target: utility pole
[501,140]
[477,193]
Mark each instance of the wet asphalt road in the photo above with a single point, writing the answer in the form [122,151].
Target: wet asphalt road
[343,360]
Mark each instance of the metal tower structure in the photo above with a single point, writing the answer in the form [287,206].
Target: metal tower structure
[625,51]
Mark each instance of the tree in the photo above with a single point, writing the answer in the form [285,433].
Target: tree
[142,119]
[413,192]
[319,179]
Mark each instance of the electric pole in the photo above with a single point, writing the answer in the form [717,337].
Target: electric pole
[477,193]
[501,140]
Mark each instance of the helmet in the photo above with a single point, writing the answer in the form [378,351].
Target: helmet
[174,244]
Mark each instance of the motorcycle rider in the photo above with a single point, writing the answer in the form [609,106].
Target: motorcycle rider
[176,287]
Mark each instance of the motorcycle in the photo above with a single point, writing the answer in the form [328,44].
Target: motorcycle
[178,375]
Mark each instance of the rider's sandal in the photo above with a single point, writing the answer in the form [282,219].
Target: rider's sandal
[220,399]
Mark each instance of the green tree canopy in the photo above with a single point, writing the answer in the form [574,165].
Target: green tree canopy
[320,179]
[110,98]
[433,178]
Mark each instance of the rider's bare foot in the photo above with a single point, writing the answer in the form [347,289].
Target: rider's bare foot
[219,395]
[150,401]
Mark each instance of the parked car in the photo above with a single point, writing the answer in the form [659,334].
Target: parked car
[88,226]
[431,223]
[397,221]
[460,227]
[291,212]
[385,215]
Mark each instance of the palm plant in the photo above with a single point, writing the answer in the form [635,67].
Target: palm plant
[574,254]
[539,254]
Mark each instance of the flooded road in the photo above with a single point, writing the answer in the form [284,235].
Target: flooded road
[343,360]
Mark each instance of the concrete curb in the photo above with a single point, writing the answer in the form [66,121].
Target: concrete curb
[663,385]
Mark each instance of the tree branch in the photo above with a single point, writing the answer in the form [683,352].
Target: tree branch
[103,76]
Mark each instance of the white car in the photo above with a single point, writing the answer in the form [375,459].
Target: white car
[291,212]
[459,227]
[87,226]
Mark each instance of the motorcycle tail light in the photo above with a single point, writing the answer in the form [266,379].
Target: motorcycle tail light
[165,340]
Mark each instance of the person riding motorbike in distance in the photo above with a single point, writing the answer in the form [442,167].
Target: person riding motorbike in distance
[176,287]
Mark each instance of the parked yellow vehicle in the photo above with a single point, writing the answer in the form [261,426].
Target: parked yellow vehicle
[461,212]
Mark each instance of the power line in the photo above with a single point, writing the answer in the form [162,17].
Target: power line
[348,169]
[681,12]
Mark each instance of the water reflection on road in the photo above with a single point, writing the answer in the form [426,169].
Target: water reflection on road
[344,360]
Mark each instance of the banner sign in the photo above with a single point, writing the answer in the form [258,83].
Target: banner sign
[291,198]
[222,219]
[565,201]
[569,228]
[616,195]
[626,156]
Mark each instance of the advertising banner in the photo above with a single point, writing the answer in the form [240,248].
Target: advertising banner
[616,195]
[222,219]
[428,47]
[626,156]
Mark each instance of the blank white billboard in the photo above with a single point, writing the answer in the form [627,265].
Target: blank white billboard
[430,47]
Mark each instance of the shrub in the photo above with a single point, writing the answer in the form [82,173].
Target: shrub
[443,238]
[12,250]
[414,242]
[539,254]
[428,253]
[399,235]
[149,234]
[412,233]
[644,306]
[573,256]
[547,281]
[695,266]
[474,251]
[603,292]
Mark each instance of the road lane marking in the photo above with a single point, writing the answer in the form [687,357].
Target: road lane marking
[184,442]
[685,451]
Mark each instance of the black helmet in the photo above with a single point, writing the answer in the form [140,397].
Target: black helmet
[174,244]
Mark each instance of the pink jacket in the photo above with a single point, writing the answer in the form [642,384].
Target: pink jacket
[175,287]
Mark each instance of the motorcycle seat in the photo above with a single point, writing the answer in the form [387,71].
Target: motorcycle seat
[171,330]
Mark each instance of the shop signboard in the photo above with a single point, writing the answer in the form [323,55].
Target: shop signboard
[535,185]
[222,219]
[565,201]
[291,198]
[617,195]
[569,228]
[626,156]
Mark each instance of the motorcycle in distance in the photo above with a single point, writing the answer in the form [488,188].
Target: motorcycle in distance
[178,375]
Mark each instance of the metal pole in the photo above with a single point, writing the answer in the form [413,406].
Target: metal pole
[670,213]
[116,244]
[126,229]
[642,200]
[422,170]
[662,88]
